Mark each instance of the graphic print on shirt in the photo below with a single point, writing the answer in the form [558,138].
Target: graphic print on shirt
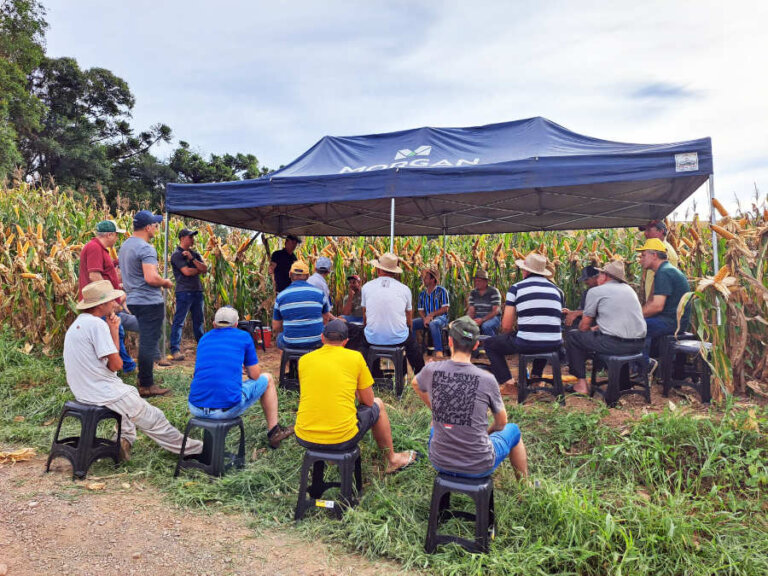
[453,397]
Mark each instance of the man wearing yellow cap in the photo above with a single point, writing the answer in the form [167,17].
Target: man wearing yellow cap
[669,285]
[301,310]
[656,229]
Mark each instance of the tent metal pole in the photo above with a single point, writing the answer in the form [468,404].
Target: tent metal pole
[165,275]
[445,228]
[392,227]
[715,252]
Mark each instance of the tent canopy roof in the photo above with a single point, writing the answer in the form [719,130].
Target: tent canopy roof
[515,176]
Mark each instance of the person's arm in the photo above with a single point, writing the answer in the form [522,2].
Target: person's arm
[153,278]
[586,323]
[499,421]
[365,396]
[423,395]
[95,276]
[408,317]
[346,310]
[114,362]
[253,371]
[654,305]
[508,319]
[198,263]
[277,326]
[494,311]
[365,318]
[327,317]
[440,311]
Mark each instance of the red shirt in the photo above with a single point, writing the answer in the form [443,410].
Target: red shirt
[95,258]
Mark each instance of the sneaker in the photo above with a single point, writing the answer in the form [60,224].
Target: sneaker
[278,435]
[177,357]
[125,450]
[154,390]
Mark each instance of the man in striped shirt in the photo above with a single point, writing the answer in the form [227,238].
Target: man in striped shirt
[536,305]
[433,309]
[301,311]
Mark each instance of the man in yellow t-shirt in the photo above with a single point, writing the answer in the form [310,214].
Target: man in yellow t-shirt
[656,229]
[330,379]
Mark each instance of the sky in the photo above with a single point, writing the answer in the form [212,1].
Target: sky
[272,78]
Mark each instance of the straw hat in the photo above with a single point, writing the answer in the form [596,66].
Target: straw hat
[615,270]
[535,263]
[481,273]
[388,263]
[433,272]
[97,293]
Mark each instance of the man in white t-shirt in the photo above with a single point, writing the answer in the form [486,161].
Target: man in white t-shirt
[388,311]
[91,360]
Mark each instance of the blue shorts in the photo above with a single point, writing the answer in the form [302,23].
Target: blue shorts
[502,441]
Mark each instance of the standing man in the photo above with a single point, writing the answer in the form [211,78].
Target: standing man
[484,304]
[433,309]
[144,285]
[352,310]
[282,260]
[620,325]
[301,311]
[322,269]
[669,285]
[656,229]
[460,395]
[96,264]
[388,311]
[535,304]
[187,266]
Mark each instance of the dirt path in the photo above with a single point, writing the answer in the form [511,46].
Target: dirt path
[51,525]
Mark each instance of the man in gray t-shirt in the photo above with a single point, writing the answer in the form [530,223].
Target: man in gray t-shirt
[460,395]
[620,328]
[144,286]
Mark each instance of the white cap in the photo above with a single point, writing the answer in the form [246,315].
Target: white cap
[226,316]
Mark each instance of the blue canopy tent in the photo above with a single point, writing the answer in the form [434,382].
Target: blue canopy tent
[511,177]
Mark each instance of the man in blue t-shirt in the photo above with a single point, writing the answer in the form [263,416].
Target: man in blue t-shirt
[433,309]
[218,391]
[301,311]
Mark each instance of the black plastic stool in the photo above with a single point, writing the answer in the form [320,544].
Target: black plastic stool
[289,367]
[84,450]
[396,355]
[524,381]
[684,366]
[214,459]
[481,491]
[620,378]
[251,326]
[350,470]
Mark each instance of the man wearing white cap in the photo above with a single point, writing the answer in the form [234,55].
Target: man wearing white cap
[218,391]
[620,329]
[535,304]
[322,269]
[91,359]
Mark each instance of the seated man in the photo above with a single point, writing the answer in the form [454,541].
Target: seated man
[669,285]
[536,305]
[218,391]
[620,326]
[484,304]
[91,359]
[589,278]
[318,279]
[460,394]
[387,311]
[655,229]
[327,419]
[301,310]
[352,309]
[433,309]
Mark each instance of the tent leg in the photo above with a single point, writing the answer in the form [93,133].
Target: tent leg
[715,252]
[163,349]
[444,255]
[392,227]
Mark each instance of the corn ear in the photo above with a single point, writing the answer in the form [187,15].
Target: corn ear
[720,208]
[722,273]
[723,233]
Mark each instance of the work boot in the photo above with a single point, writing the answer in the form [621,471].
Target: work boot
[154,390]
[164,362]
[178,356]
[277,435]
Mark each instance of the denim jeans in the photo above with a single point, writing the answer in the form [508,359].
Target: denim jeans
[656,327]
[252,391]
[150,317]
[491,327]
[186,302]
[498,347]
[435,329]
[128,363]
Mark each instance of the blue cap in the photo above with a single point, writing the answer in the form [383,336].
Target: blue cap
[144,218]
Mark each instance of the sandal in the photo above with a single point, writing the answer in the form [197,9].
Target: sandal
[413,457]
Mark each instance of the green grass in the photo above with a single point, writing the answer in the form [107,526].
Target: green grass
[668,493]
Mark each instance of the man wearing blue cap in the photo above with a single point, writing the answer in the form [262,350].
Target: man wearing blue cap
[144,286]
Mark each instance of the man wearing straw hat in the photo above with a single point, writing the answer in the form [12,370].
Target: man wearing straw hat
[535,304]
[620,328]
[433,309]
[91,360]
[484,304]
[388,311]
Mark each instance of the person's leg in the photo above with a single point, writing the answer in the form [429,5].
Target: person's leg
[490,327]
[183,303]
[128,322]
[129,365]
[507,443]
[413,353]
[497,348]
[382,433]
[198,317]
[150,319]
[418,324]
[580,344]
[656,327]
[262,389]
[436,330]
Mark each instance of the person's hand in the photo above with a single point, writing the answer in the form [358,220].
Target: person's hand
[571,316]
[479,321]
[167,283]
[427,320]
[113,321]
[187,254]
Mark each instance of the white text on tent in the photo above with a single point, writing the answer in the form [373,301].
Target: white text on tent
[418,163]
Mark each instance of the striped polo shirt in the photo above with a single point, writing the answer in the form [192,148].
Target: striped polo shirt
[301,307]
[434,301]
[539,307]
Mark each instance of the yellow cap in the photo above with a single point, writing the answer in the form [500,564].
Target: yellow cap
[653,244]
[299,267]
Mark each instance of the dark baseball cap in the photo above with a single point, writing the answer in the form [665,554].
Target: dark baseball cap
[336,330]
[588,272]
[293,237]
[144,218]
[464,330]
[353,277]
[184,232]
[658,224]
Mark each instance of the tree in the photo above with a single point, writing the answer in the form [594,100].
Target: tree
[191,167]
[22,48]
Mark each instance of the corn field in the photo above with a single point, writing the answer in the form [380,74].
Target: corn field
[43,230]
